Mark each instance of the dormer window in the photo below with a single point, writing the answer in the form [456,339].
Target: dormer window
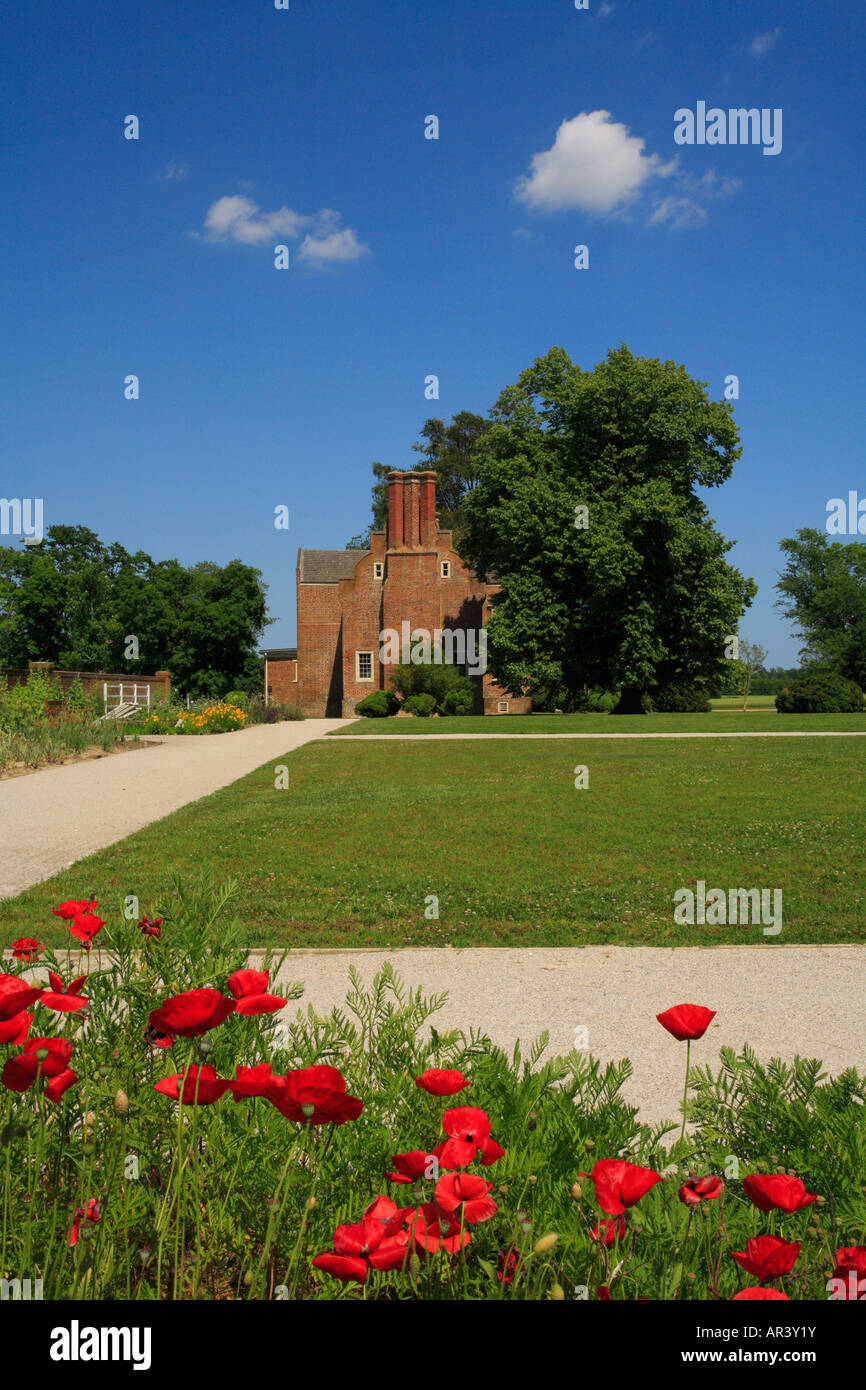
[378,569]
[445,569]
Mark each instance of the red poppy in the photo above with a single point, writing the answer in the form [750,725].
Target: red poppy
[25,948]
[64,1001]
[687,1021]
[343,1267]
[313,1095]
[15,1029]
[468,1129]
[60,1083]
[609,1231]
[249,988]
[375,1241]
[412,1166]
[201,1086]
[604,1293]
[431,1228]
[154,1038]
[619,1185]
[755,1293]
[148,928]
[21,1071]
[464,1194]
[507,1265]
[441,1083]
[71,910]
[90,1214]
[766,1257]
[16,994]
[84,928]
[190,1014]
[777,1192]
[851,1268]
[700,1190]
[252,1081]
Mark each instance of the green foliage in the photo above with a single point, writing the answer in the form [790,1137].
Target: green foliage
[378,704]
[640,598]
[823,692]
[678,700]
[457,702]
[23,706]
[421,705]
[240,698]
[436,678]
[75,600]
[74,696]
[823,590]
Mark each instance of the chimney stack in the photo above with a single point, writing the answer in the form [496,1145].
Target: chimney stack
[428,509]
[411,510]
[395,511]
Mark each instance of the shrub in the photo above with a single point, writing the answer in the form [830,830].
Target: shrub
[379,704]
[676,699]
[240,698]
[457,702]
[821,693]
[420,705]
[431,678]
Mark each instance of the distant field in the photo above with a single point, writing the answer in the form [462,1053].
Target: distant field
[723,722]
[349,853]
[736,702]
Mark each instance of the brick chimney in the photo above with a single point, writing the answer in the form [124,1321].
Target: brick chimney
[411,510]
[428,509]
[395,511]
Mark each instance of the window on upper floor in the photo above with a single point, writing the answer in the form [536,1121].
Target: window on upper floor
[378,569]
[446,569]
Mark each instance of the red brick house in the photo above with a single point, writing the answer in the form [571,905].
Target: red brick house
[347,598]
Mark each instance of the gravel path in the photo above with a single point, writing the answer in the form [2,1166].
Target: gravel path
[54,817]
[781,1000]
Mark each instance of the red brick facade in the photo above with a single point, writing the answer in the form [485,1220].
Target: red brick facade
[411,574]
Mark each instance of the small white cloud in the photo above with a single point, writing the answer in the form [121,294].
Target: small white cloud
[594,164]
[762,43]
[678,213]
[338,246]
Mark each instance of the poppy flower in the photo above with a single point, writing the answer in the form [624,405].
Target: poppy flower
[148,928]
[84,928]
[429,1227]
[767,1257]
[15,1029]
[700,1190]
[313,1095]
[25,948]
[64,1001]
[16,994]
[755,1293]
[345,1268]
[249,988]
[201,1086]
[375,1241]
[604,1293]
[468,1130]
[252,1081]
[777,1192]
[609,1231]
[22,1070]
[192,1013]
[412,1166]
[90,1214]
[686,1022]
[154,1038]
[70,910]
[60,1083]
[619,1185]
[851,1268]
[507,1265]
[441,1083]
[463,1194]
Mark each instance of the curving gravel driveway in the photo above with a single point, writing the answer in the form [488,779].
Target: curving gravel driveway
[50,819]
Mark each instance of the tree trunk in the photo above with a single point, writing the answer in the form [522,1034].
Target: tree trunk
[629,701]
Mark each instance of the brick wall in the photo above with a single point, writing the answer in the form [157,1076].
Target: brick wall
[160,682]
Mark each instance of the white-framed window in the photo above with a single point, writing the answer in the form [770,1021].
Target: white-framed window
[378,569]
[364,666]
[502,707]
[445,568]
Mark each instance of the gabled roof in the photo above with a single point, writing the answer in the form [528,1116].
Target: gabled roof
[328,566]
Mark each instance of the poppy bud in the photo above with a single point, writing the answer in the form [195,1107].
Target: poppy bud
[820,1201]
[414,1265]
[532,1178]
[546,1243]
[557,1293]
[248,1278]
[503,1189]
[576,1191]
[205,1047]
[311,1203]
[121,1103]
[589,1143]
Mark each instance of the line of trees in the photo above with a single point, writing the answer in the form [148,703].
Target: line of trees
[75,601]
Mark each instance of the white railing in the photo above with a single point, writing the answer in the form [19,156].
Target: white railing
[125,693]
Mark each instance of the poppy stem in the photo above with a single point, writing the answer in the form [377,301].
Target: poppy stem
[686,1088]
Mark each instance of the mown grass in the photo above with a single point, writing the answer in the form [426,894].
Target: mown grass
[349,853]
[727,722]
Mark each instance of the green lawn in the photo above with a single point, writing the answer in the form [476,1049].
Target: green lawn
[736,702]
[347,855]
[721,723]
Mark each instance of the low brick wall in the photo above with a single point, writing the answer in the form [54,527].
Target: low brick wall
[160,683]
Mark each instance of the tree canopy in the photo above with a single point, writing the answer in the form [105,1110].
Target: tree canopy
[585,510]
[823,590]
[75,601]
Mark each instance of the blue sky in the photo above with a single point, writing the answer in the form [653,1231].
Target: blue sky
[412,257]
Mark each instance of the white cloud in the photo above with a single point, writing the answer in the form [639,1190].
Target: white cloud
[678,213]
[762,43]
[594,164]
[237,218]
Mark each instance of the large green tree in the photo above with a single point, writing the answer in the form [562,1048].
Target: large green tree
[823,590]
[75,601]
[633,593]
